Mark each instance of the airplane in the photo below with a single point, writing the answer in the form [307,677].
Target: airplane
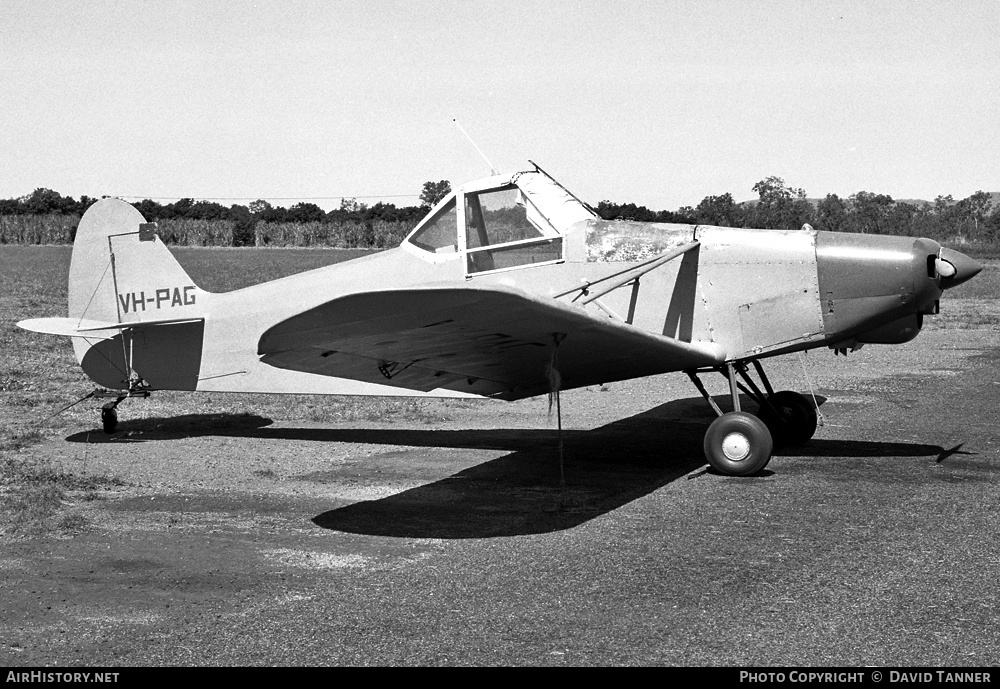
[510,287]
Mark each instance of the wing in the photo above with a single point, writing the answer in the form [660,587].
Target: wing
[487,340]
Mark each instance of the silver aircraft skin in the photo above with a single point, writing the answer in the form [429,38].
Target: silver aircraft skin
[507,279]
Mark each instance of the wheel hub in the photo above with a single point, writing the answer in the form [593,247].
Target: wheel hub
[736,447]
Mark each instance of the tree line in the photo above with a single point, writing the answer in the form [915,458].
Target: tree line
[366,224]
[778,206]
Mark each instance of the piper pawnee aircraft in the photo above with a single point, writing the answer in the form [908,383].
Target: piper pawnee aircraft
[510,286]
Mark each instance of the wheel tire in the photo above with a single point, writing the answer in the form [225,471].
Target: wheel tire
[738,444]
[792,421]
[109,419]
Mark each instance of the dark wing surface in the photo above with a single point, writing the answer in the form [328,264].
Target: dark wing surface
[487,340]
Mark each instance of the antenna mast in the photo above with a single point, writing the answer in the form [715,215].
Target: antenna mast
[492,169]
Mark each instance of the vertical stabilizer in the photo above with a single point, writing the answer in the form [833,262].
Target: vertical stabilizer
[121,272]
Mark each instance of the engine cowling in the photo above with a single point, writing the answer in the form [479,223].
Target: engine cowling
[876,289]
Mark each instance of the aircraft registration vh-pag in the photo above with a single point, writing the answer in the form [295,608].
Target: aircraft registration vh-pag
[506,279]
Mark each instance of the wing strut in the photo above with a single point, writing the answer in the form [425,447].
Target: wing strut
[629,276]
[555,383]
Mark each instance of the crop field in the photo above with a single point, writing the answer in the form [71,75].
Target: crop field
[57,228]
[264,529]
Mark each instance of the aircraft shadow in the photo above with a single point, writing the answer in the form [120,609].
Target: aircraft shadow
[518,493]
[149,428]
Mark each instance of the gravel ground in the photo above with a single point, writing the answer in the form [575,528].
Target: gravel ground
[235,540]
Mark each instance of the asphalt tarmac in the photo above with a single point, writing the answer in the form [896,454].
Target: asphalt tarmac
[239,541]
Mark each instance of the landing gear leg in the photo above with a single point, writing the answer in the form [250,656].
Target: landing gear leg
[790,417]
[737,443]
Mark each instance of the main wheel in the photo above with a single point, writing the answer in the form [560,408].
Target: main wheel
[109,419]
[738,444]
[791,417]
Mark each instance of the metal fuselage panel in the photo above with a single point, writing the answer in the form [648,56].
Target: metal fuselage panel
[754,292]
[760,290]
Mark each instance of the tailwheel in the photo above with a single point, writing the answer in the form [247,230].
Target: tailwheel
[789,416]
[109,417]
[738,444]
[109,412]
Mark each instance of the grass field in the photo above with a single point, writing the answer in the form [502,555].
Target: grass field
[39,375]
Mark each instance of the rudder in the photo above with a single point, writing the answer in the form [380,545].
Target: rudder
[121,272]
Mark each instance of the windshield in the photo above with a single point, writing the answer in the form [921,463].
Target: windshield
[440,235]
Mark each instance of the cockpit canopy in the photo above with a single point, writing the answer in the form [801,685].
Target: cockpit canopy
[506,222]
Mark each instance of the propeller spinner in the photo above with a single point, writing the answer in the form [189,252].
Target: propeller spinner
[954,268]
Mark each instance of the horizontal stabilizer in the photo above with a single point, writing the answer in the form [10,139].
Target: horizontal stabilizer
[83,327]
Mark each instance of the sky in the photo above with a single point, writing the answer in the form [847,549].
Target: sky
[658,103]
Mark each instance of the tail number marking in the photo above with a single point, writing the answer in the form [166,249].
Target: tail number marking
[162,298]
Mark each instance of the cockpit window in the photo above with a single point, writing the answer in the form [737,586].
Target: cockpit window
[496,217]
[545,250]
[502,231]
[440,235]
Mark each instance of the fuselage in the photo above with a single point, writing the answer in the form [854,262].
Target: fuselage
[754,292]
[738,293]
